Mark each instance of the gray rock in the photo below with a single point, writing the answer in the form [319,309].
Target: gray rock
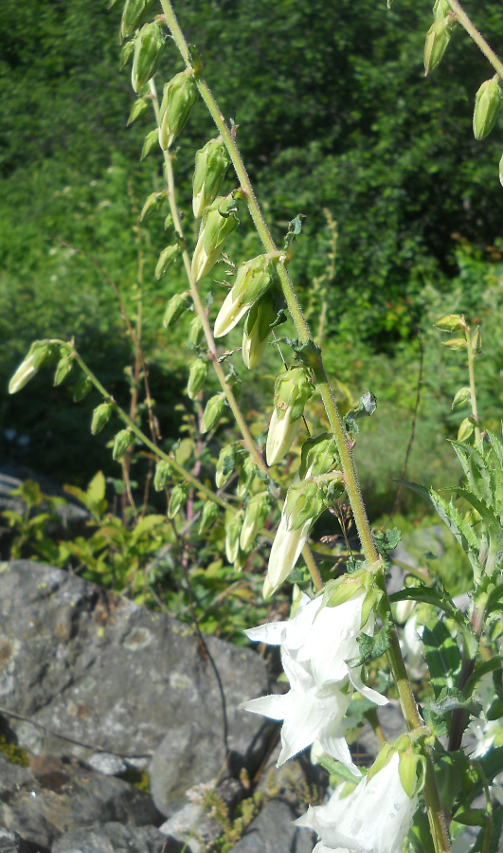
[273,832]
[109,765]
[11,842]
[101,670]
[115,838]
[53,796]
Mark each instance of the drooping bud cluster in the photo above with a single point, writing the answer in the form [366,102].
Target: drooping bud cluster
[292,390]
[316,646]
[40,353]
[219,221]
[211,165]
[148,49]
[487,106]
[179,96]
[253,279]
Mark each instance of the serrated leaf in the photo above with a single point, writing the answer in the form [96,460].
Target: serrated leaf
[443,657]
[451,699]
[373,647]
[493,558]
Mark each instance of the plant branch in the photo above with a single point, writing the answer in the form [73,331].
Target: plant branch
[479,40]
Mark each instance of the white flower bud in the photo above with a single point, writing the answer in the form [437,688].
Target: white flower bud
[253,279]
[218,222]
[256,514]
[211,165]
[256,330]
[292,390]
[232,535]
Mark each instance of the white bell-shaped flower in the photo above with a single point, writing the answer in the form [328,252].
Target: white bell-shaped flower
[374,818]
[308,714]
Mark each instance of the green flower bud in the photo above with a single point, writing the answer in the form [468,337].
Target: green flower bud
[211,165]
[218,222]
[304,502]
[256,330]
[208,516]
[40,353]
[197,376]
[232,535]
[126,54]
[82,388]
[64,367]
[148,49]
[318,456]
[150,142]
[162,474]
[179,96]
[464,395]
[101,415]
[476,341]
[139,107]
[408,768]
[437,39]
[466,429]
[441,10]
[152,204]
[178,499]
[456,344]
[134,10]
[196,331]
[253,279]
[487,104]
[292,390]
[256,514]
[215,407]
[500,170]
[226,463]
[451,323]
[166,259]
[177,305]
[246,476]
[122,442]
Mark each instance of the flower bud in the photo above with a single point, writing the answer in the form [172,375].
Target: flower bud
[465,430]
[166,258]
[82,388]
[464,395]
[64,367]
[122,442]
[441,9]
[126,54]
[451,323]
[179,96]
[178,499]
[196,331]
[215,407]
[211,165]
[318,456]
[134,10]
[149,143]
[218,222]
[139,107]
[253,279]
[208,516]
[476,341]
[246,476]
[232,534]
[256,330]
[487,104]
[226,463]
[408,769]
[148,49]
[39,354]
[101,415]
[152,204]
[292,390]
[255,517]
[456,344]
[162,474]
[500,170]
[177,305]
[305,501]
[197,376]
[437,39]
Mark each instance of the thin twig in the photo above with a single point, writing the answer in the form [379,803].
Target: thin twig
[412,431]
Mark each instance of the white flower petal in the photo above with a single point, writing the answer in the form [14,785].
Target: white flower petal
[355,677]
[271,633]
[280,436]
[285,551]
[274,707]
[229,315]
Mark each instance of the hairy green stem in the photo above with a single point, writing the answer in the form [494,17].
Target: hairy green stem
[479,40]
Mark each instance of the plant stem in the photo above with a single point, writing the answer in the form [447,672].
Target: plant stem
[473,392]
[407,700]
[479,40]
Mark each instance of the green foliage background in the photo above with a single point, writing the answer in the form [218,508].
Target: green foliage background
[333,111]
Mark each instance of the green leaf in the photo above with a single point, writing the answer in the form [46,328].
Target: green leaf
[443,657]
[340,771]
[373,647]
[494,553]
